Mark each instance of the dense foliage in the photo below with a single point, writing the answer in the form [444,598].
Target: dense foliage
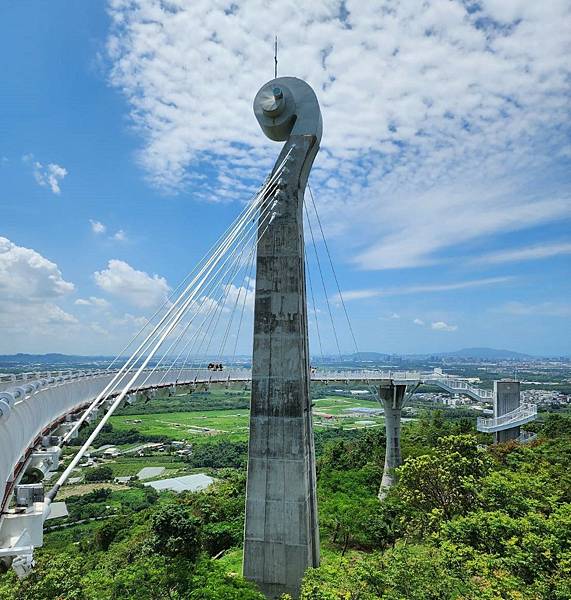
[466,521]
[112,437]
[463,522]
[161,551]
[102,473]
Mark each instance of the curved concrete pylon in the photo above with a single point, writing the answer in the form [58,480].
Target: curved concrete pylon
[281,537]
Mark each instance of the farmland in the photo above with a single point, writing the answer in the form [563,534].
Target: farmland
[231,422]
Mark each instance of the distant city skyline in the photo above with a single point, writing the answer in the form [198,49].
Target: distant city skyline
[128,145]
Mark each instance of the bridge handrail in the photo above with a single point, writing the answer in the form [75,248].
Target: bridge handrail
[32,382]
[521,412]
[458,384]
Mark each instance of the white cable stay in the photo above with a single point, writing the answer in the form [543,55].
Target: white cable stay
[269,181]
[175,315]
[218,304]
[175,308]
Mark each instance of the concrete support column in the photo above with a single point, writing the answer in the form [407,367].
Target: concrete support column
[281,538]
[506,398]
[392,396]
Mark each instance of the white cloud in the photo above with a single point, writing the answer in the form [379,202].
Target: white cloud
[136,287]
[442,326]
[99,329]
[423,289]
[418,322]
[238,295]
[120,236]
[543,309]
[97,227]
[440,117]
[24,273]
[94,302]
[30,284]
[47,175]
[129,319]
[356,295]
[537,252]
[419,227]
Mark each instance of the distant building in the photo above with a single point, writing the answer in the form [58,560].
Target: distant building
[111,452]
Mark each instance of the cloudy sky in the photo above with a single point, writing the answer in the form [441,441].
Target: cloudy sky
[128,144]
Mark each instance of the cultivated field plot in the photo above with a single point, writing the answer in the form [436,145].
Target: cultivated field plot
[186,425]
[130,466]
[232,423]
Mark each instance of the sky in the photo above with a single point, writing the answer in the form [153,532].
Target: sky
[128,145]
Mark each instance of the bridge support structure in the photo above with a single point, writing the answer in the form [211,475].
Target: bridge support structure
[507,398]
[392,396]
[281,538]
[510,414]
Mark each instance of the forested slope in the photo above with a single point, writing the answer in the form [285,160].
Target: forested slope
[465,521]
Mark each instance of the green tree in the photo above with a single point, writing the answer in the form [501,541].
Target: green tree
[176,532]
[108,532]
[446,481]
[103,473]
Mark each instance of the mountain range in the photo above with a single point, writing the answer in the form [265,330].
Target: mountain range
[465,353]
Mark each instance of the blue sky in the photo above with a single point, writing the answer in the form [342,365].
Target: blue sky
[128,144]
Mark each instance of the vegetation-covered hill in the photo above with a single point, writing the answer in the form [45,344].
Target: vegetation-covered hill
[465,522]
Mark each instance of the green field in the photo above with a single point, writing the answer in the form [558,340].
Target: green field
[129,466]
[232,423]
[187,425]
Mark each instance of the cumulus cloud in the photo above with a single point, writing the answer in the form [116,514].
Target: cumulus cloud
[30,286]
[418,322]
[24,273]
[240,294]
[136,287]
[97,227]
[438,117]
[94,302]
[47,175]
[230,298]
[120,236]
[130,320]
[442,326]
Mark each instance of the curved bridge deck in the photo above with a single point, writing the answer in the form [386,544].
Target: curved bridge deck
[33,404]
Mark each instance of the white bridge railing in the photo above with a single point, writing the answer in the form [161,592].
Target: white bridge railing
[458,386]
[352,375]
[520,416]
[14,388]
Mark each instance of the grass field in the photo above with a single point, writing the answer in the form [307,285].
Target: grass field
[232,423]
[130,466]
[188,425]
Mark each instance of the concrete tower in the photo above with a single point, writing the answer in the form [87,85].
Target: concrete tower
[392,395]
[281,537]
[506,399]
